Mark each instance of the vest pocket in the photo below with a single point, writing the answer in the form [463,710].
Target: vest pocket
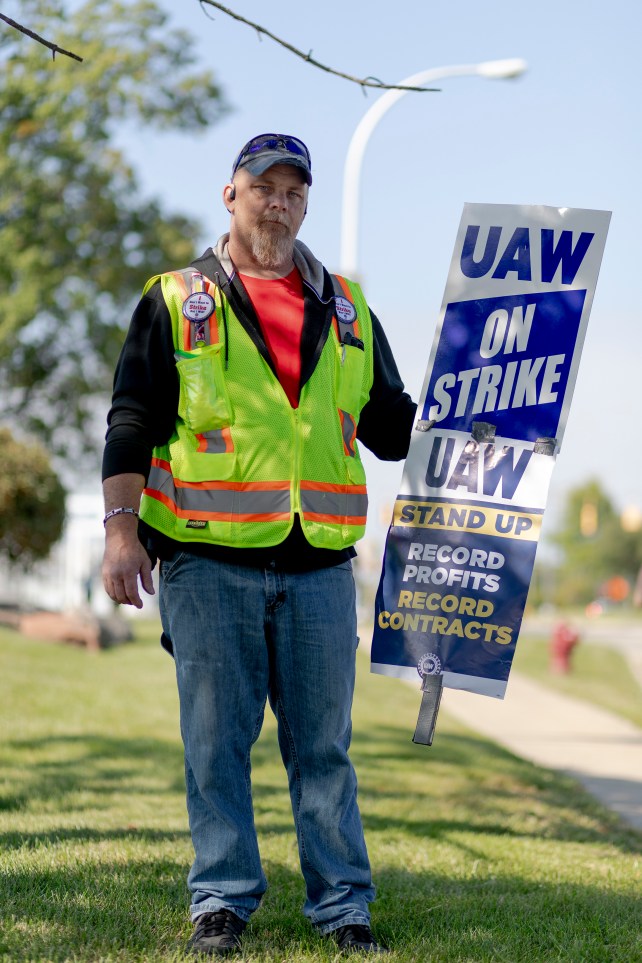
[192,462]
[350,364]
[356,471]
[203,402]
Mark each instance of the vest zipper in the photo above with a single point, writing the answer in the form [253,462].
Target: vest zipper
[224,315]
[296,466]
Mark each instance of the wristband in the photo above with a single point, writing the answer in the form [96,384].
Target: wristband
[120,511]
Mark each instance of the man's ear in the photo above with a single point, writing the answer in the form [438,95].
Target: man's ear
[229,193]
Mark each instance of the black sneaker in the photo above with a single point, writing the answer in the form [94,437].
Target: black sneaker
[217,933]
[354,938]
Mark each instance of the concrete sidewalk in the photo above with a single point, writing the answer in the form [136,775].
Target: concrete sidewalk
[600,750]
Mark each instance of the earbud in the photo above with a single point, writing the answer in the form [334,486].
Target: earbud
[232,193]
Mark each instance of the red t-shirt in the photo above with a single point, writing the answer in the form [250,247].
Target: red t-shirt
[278,304]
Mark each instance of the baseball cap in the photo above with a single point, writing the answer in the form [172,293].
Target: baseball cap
[265,150]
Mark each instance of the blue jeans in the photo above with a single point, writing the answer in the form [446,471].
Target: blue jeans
[241,635]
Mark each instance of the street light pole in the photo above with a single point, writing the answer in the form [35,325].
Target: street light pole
[493,69]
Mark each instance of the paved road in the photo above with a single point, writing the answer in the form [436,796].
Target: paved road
[622,634]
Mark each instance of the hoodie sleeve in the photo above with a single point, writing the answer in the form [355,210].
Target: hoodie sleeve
[387,418]
[145,398]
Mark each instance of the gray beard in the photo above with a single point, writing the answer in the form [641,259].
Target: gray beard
[271,246]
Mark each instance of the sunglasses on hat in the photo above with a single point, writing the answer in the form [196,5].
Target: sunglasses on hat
[273,142]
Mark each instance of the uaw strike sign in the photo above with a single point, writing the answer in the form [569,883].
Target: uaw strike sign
[461,547]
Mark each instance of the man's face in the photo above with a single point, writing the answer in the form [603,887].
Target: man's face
[268,211]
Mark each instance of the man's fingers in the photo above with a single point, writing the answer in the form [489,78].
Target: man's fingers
[121,582]
[124,592]
[124,562]
[146,577]
[132,596]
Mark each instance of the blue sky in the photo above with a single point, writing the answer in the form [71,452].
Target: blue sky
[566,134]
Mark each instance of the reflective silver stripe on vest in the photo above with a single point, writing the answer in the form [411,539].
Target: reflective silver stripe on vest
[219,501]
[161,480]
[341,504]
[340,293]
[348,426]
[215,443]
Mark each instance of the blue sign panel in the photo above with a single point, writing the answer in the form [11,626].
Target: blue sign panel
[454,585]
[507,361]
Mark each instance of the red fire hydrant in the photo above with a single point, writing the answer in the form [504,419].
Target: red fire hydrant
[563,641]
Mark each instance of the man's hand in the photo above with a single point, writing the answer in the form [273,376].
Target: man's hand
[125,560]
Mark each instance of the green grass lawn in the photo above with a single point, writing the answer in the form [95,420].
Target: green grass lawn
[599,674]
[478,856]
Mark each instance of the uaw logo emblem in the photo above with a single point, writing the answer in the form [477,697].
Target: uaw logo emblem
[429,664]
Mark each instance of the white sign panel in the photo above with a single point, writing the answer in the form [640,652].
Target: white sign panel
[490,421]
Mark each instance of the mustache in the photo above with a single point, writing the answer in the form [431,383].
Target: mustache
[275,219]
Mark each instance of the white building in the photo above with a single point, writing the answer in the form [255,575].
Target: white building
[70,579]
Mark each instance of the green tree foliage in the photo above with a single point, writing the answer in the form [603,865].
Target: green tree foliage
[32,501]
[594,546]
[77,240]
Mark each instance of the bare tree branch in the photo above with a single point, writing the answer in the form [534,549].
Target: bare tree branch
[34,36]
[363,82]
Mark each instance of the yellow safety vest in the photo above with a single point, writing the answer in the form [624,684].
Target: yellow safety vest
[241,461]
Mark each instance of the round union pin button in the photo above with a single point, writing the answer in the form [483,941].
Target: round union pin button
[345,310]
[199,306]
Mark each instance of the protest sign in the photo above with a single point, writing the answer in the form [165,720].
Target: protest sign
[461,547]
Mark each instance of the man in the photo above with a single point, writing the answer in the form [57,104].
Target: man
[242,387]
